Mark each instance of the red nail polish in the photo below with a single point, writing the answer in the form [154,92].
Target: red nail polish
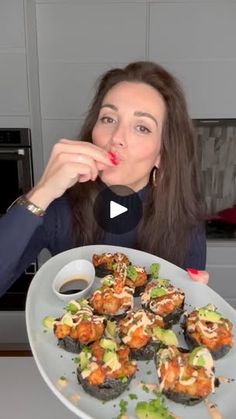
[192,271]
[114,161]
[113,158]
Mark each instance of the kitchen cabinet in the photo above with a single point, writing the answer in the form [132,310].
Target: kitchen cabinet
[13,65]
[221,265]
[195,40]
[24,394]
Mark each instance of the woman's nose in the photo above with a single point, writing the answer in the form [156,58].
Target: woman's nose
[119,137]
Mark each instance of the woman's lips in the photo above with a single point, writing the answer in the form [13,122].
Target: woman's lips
[113,157]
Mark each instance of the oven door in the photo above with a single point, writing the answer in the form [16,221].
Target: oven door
[15,179]
[15,174]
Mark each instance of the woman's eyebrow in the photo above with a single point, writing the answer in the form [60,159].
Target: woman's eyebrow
[137,113]
[109,105]
[148,115]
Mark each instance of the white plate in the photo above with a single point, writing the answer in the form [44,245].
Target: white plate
[54,362]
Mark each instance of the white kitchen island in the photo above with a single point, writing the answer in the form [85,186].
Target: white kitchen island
[24,394]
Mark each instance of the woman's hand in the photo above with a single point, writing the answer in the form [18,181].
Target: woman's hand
[198,276]
[70,162]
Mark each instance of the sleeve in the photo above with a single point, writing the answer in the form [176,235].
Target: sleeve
[196,254]
[22,236]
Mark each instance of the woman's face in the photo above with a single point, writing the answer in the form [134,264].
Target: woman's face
[130,124]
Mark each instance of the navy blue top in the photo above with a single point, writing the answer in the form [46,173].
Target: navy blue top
[23,235]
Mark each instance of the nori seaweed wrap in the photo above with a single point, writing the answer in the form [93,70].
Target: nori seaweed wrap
[205,326]
[104,369]
[143,333]
[185,377]
[162,298]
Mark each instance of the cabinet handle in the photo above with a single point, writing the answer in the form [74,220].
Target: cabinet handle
[19,151]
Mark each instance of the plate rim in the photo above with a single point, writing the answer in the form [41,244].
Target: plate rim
[72,407]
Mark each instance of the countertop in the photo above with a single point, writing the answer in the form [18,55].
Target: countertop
[24,394]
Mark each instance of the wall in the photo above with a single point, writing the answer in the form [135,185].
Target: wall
[51,53]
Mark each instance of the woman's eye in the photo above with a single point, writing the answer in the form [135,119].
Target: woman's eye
[107,120]
[143,129]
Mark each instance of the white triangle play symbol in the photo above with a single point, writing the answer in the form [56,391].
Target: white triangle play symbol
[116,209]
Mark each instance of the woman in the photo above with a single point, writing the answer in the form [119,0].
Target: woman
[138,134]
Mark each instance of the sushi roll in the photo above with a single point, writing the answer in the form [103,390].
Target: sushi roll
[106,263]
[185,377]
[113,299]
[206,326]
[77,329]
[104,369]
[143,333]
[162,298]
[136,278]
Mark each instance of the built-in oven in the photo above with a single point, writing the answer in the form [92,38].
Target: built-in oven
[16,178]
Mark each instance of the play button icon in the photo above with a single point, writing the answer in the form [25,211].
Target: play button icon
[117,209]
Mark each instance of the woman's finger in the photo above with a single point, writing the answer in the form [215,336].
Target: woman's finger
[83,147]
[84,160]
[198,276]
[84,178]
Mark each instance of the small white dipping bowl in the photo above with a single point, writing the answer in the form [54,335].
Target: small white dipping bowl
[66,278]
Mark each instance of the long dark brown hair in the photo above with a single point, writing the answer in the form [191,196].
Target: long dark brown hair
[173,207]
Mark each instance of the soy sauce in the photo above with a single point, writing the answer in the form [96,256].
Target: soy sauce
[73,285]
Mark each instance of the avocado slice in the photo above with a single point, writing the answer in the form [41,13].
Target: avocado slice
[166,336]
[163,282]
[154,270]
[108,280]
[110,358]
[84,359]
[132,273]
[195,357]
[83,302]
[110,330]
[209,315]
[158,292]
[108,344]
[72,308]
[200,357]
[67,319]
[48,322]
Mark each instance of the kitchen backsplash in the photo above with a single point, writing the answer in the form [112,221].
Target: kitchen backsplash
[217,148]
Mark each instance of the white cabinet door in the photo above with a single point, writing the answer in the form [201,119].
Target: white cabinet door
[13,69]
[196,41]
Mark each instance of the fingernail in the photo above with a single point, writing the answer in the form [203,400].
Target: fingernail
[192,271]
